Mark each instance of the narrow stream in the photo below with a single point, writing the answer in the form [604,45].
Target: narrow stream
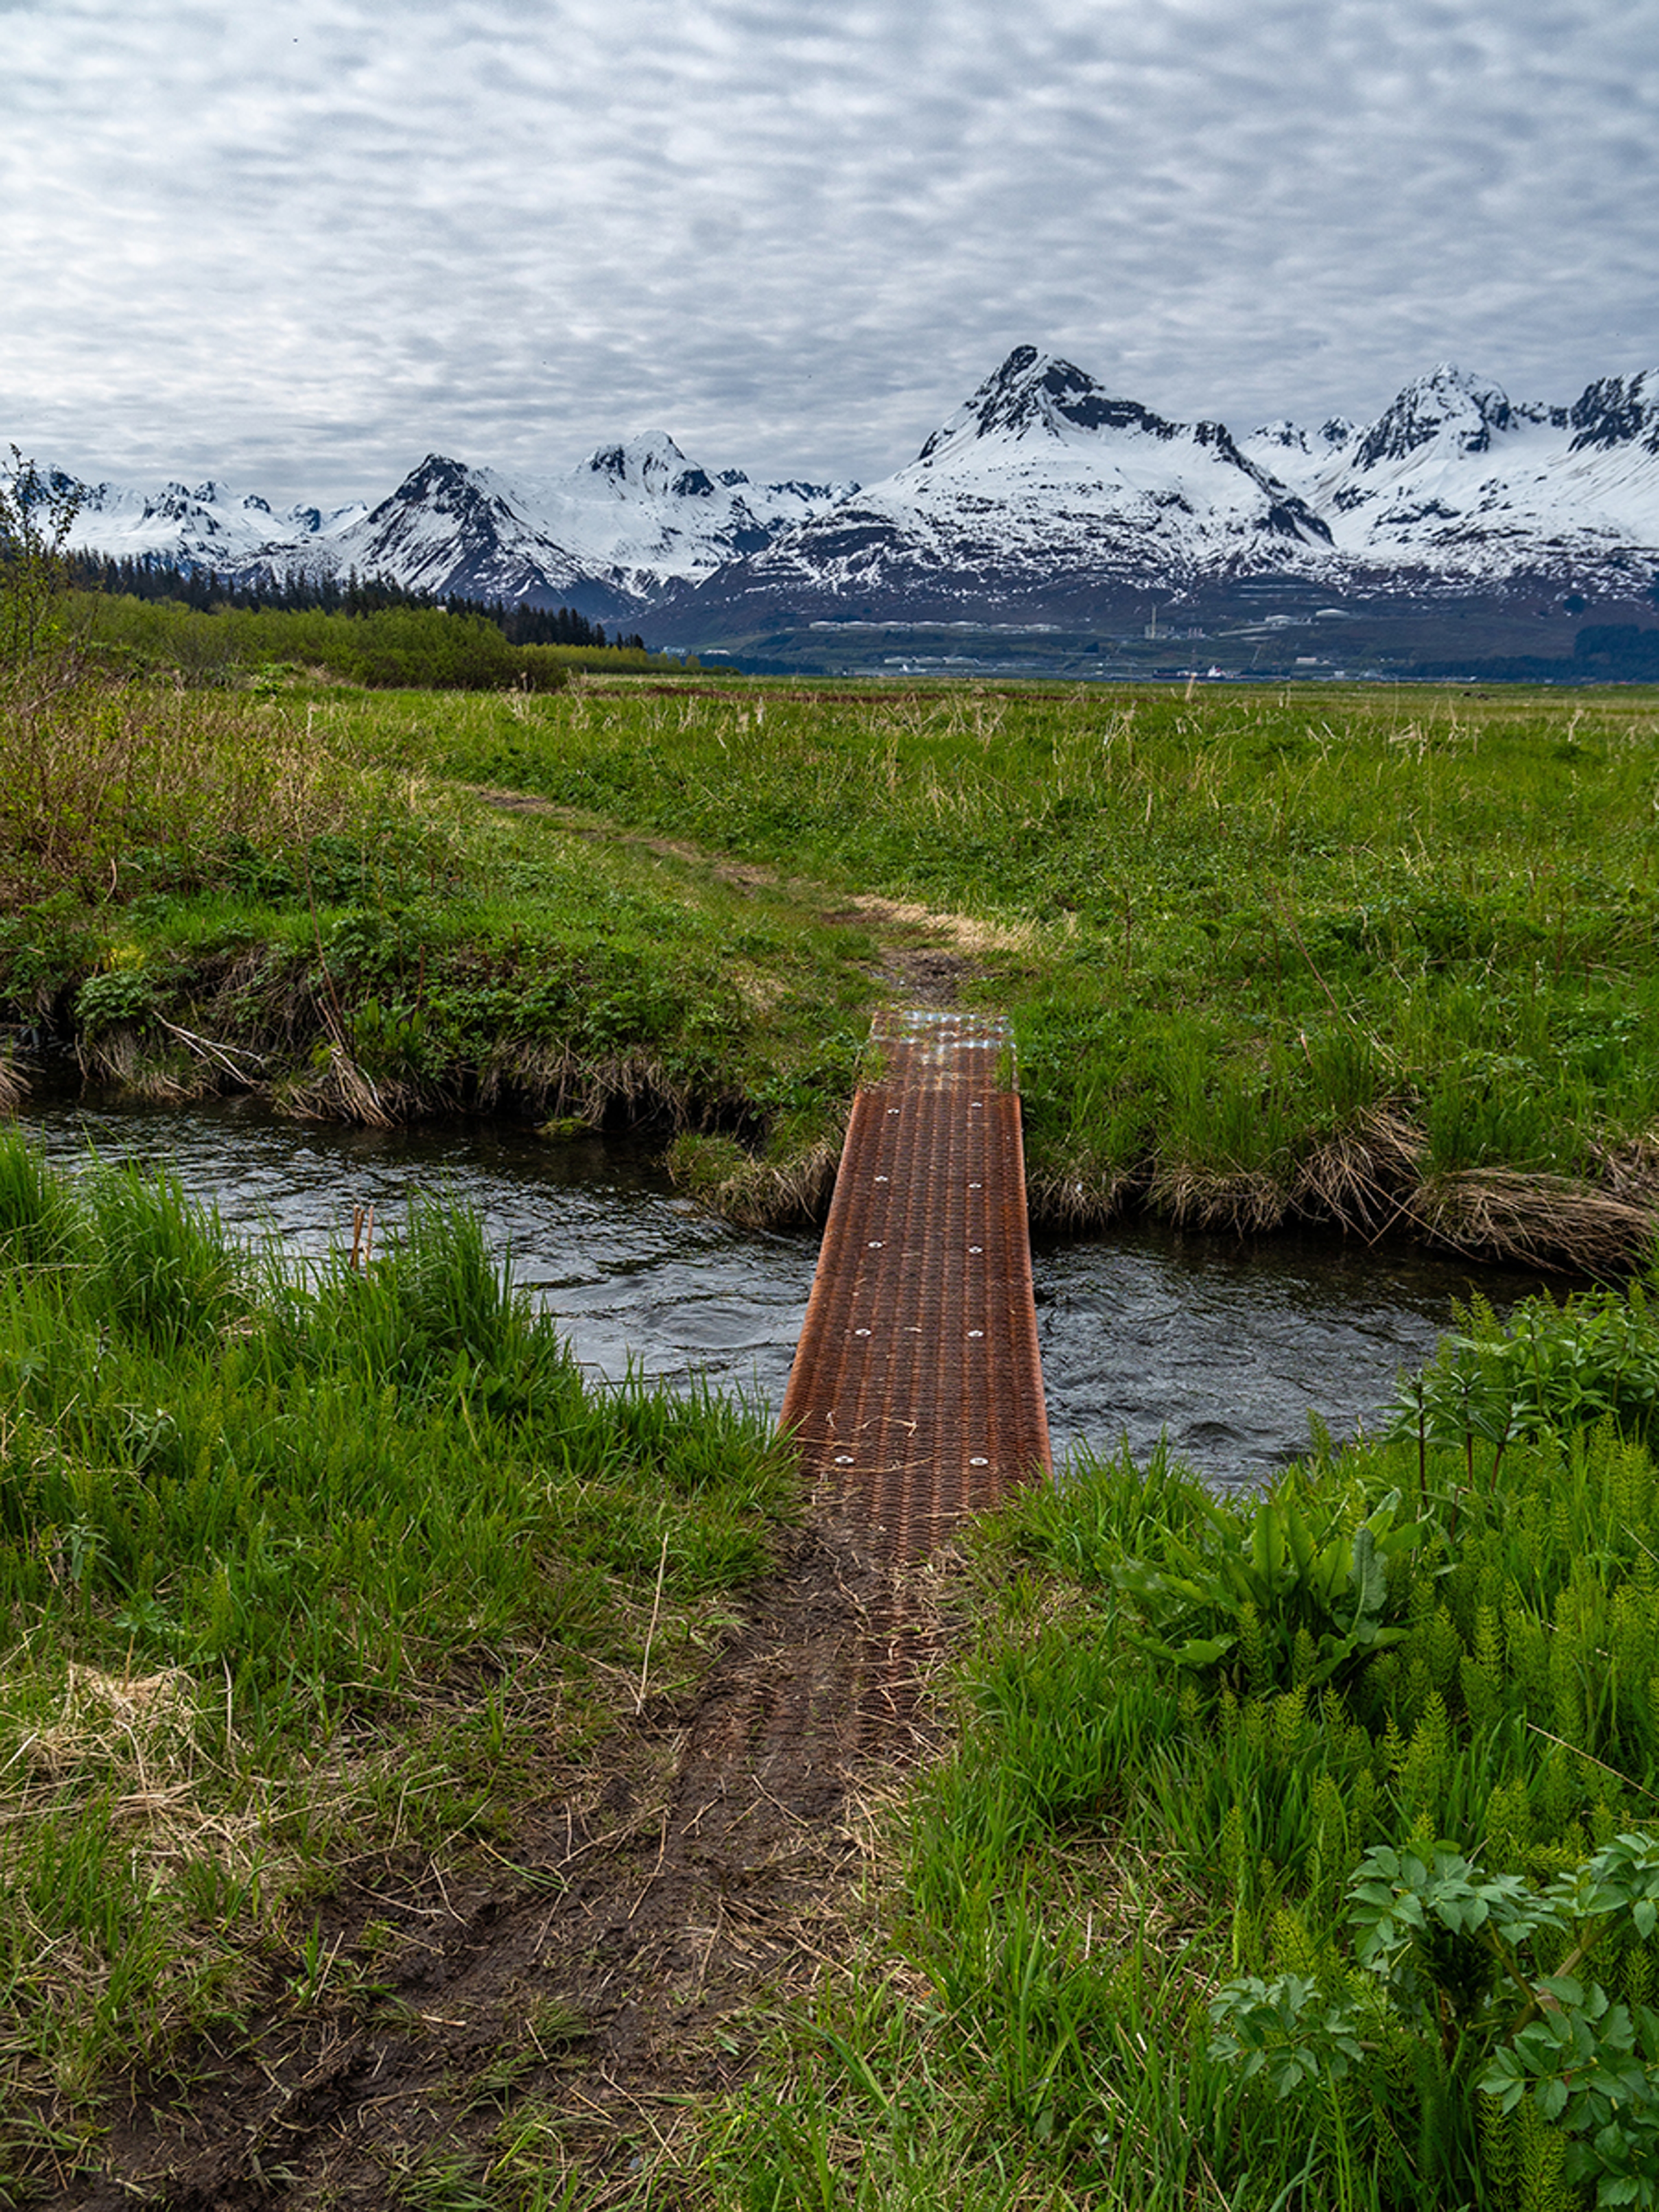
[1223,1346]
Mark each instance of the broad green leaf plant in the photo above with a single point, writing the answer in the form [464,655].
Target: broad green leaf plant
[1303,1603]
[1488,1971]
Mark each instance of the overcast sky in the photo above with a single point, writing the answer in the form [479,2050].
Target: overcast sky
[298,244]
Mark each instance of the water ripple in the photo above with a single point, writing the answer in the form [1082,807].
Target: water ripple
[1223,1347]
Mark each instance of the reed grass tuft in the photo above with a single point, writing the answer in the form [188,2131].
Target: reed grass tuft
[268,1543]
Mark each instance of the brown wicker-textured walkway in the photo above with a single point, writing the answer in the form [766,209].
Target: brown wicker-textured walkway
[916,1393]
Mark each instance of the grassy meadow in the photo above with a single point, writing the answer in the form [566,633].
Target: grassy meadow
[1292,1851]
[1359,957]
[296,1575]
[1381,959]
[1296,1851]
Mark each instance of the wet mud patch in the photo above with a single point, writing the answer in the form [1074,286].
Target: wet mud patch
[555,2007]
[922,975]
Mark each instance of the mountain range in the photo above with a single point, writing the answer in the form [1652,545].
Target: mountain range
[607,536]
[1042,501]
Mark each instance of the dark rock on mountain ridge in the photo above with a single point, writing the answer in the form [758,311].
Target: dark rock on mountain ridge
[1616,412]
[1043,498]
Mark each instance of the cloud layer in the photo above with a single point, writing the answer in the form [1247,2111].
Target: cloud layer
[302,246]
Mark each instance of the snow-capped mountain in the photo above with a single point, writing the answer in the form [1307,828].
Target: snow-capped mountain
[1043,499]
[606,535]
[212,524]
[1041,489]
[1285,450]
[610,531]
[1457,480]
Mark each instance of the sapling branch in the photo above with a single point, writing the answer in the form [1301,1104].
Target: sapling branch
[1511,1967]
[650,1633]
[1590,1759]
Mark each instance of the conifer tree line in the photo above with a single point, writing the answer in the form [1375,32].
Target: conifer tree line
[147,576]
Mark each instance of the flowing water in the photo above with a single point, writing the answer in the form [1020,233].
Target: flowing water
[1222,1347]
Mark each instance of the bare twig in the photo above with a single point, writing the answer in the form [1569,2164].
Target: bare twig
[208,1048]
[656,1607]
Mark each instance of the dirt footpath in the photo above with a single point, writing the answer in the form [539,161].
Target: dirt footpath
[551,2020]
[617,1959]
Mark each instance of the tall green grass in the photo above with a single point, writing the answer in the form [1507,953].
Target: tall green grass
[278,1558]
[98,778]
[1125,1954]
[1346,956]
[1230,927]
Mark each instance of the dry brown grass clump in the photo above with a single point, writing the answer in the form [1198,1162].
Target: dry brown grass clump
[968,932]
[1531,1220]
[338,1089]
[121,1057]
[561,1084]
[1079,1201]
[793,1192]
[788,1193]
[134,1736]
[1631,1171]
[1247,1202]
[92,769]
[1359,1177]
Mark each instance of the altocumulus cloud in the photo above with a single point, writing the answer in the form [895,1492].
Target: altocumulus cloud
[302,245]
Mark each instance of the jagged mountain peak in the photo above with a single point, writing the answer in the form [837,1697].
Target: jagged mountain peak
[1285,433]
[1618,411]
[649,462]
[1448,407]
[1042,490]
[1042,395]
[440,485]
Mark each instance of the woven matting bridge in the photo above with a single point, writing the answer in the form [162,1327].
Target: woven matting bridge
[916,1392]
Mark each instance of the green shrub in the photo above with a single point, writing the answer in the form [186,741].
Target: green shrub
[1377,1753]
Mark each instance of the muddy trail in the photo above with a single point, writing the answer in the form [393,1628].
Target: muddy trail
[538,2022]
[558,2011]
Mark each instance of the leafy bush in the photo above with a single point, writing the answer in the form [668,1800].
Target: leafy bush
[1385,1742]
[1483,1972]
[115,996]
[426,648]
[1551,1369]
[36,512]
[1304,1601]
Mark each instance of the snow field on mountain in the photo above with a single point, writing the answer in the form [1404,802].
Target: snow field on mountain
[1040,475]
